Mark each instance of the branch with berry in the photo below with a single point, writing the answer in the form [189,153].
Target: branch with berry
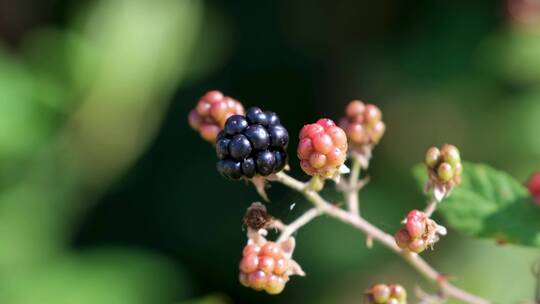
[252,146]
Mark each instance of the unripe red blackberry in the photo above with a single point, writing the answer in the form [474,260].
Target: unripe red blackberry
[265,267]
[211,112]
[444,168]
[322,148]
[418,233]
[363,125]
[252,145]
[386,294]
[534,187]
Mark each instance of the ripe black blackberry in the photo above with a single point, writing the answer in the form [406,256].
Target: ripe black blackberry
[252,145]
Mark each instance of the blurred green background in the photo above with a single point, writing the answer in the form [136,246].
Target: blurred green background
[107,196]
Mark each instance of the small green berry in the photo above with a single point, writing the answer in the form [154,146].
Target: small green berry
[417,245]
[445,172]
[451,155]
[402,238]
[398,292]
[381,293]
[458,169]
[392,301]
[432,157]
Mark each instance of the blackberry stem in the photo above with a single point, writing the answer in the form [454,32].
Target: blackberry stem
[291,228]
[351,193]
[355,220]
[431,207]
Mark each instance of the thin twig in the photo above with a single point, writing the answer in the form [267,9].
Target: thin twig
[447,289]
[305,218]
[351,192]
[277,224]
[426,298]
[431,207]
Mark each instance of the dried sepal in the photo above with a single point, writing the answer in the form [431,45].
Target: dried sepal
[257,217]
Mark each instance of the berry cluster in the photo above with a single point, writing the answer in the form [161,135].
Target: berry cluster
[419,232]
[322,149]
[362,124]
[444,167]
[252,145]
[386,294]
[210,114]
[264,267]
[534,187]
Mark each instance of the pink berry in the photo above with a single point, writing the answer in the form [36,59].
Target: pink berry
[322,148]
[317,160]
[372,114]
[218,110]
[325,123]
[213,96]
[355,108]
[311,130]
[251,249]
[271,249]
[203,108]
[377,131]
[335,157]
[194,119]
[281,266]
[249,263]
[209,132]
[305,148]
[415,227]
[275,284]
[534,187]
[306,166]
[356,132]
[339,138]
[257,279]
[243,278]
[267,264]
[322,143]
[416,215]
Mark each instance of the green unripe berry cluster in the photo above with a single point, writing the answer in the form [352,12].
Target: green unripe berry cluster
[444,165]
[386,294]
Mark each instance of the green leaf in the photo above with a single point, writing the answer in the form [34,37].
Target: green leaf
[490,204]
